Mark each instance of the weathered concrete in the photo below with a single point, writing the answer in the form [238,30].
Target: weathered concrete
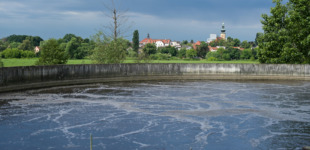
[20,78]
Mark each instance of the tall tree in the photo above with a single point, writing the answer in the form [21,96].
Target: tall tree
[299,29]
[108,51]
[245,44]
[67,38]
[202,50]
[149,49]
[135,41]
[286,36]
[259,35]
[118,26]
[72,48]
[52,54]
[26,45]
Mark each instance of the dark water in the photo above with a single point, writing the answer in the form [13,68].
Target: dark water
[158,115]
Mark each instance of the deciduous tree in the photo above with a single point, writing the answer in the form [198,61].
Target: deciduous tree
[52,54]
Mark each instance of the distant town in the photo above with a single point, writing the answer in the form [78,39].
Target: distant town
[160,43]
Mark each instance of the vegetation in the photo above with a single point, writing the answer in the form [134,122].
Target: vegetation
[286,37]
[202,50]
[52,54]
[1,63]
[16,53]
[135,41]
[191,54]
[232,54]
[108,50]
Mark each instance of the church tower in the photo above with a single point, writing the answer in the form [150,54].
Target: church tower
[223,32]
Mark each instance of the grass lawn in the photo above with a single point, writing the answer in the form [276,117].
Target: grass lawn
[31,62]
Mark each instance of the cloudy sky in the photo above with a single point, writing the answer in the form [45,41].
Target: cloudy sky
[164,19]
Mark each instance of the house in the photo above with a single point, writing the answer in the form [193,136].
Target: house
[198,43]
[212,38]
[239,48]
[37,49]
[212,49]
[157,42]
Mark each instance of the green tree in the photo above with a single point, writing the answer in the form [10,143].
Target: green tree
[169,50]
[1,63]
[276,45]
[182,53]
[72,48]
[191,54]
[11,53]
[185,42]
[26,45]
[246,54]
[259,35]
[299,32]
[135,41]
[52,54]
[237,42]
[3,45]
[245,44]
[202,50]
[108,51]
[149,49]
[234,53]
[67,38]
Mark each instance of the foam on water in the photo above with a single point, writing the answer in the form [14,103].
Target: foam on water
[159,115]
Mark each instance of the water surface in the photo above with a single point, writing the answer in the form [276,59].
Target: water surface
[158,115]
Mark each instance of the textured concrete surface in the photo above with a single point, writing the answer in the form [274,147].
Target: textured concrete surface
[21,78]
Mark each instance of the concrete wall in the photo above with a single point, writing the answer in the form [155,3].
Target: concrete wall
[19,78]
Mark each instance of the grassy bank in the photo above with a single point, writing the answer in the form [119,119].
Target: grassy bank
[31,62]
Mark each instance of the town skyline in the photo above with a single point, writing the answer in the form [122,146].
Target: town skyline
[177,20]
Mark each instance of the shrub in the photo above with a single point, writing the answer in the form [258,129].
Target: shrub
[52,54]
[1,63]
[212,59]
[191,54]
[27,54]
[160,56]
[12,53]
[132,53]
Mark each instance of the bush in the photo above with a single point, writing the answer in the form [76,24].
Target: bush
[212,59]
[246,54]
[27,54]
[160,56]
[132,53]
[215,55]
[52,54]
[1,63]
[12,53]
[191,54]
[182,53]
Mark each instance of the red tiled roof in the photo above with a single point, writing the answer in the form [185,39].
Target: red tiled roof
[196,44]
[149,40]
[212,48]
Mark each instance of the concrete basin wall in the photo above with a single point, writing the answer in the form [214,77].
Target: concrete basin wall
[21,78]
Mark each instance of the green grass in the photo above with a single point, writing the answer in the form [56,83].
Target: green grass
[31,62]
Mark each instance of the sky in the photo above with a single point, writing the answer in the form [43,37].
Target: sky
[163,19]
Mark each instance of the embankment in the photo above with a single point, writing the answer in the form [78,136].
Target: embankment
[21,78]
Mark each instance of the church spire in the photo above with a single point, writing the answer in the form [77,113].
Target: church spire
[223,32]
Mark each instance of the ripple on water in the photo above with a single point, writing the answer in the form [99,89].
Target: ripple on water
[159,115]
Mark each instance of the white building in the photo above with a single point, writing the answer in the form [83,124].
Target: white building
[212,38]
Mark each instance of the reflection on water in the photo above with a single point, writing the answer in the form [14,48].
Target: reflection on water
[159,115]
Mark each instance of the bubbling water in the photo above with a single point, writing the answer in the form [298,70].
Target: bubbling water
[159,115]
